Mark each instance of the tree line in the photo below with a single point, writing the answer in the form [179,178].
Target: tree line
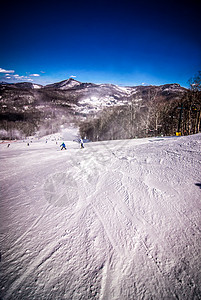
[150,117]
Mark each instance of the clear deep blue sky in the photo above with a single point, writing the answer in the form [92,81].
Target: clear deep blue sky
[125,43]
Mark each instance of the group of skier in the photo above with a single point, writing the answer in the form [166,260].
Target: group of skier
[63,146]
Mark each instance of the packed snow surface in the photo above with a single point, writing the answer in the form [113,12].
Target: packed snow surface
[115,220]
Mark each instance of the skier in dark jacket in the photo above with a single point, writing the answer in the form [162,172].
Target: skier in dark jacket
[63,146]
[81,143]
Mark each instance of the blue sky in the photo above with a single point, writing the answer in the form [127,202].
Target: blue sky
[125,43]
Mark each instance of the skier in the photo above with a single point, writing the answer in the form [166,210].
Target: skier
[81,143]
[63,146]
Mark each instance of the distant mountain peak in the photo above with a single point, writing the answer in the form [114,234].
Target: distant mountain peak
[65,84]
[21,85]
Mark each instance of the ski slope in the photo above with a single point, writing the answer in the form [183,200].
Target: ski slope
[117,220]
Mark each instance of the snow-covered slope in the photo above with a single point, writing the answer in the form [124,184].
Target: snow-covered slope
[116,220]
[65,84]
[36,86]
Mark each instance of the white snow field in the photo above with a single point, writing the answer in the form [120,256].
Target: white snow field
[116,220]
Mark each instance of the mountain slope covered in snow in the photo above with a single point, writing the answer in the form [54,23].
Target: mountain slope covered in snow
[27,108]
[116,220]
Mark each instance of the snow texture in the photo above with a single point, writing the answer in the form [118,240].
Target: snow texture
[36,86]
[115,220]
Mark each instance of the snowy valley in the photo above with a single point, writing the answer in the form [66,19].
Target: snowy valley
[27,108]
[117,220]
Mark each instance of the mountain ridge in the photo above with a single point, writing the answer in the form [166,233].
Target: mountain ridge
[28,107]
[70,82]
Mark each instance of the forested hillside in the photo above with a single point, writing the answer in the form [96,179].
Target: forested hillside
[151,117]
[102,112]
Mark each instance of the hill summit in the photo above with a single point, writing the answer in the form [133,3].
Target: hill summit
[65,84]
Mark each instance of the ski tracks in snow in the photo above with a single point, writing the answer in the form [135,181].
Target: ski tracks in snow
[122,227]
[129,229]
[114,214]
